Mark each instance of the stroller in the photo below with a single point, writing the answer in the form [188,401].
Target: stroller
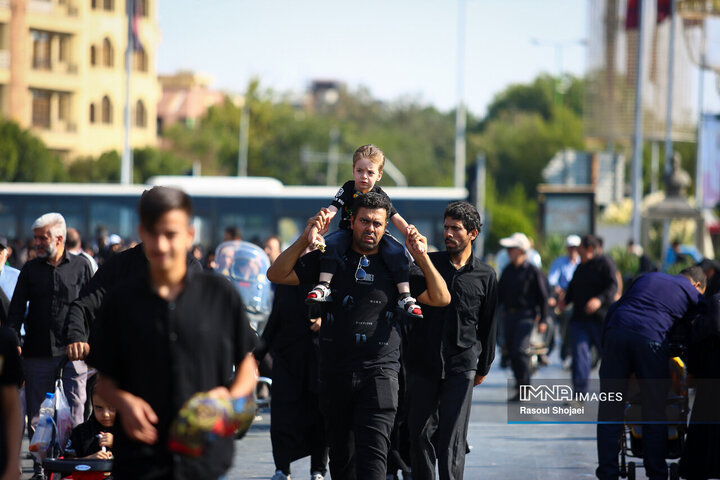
[676,411]
[55,465]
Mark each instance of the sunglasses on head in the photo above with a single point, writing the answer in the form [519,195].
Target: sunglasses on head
[360,274]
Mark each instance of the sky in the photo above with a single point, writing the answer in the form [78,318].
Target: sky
[396,48]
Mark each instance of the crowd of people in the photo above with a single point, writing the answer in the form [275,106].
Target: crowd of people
[374,347]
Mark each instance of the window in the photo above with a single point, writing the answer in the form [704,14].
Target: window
[93,4]
[93,55]
[140,62]
[141,8]
[140,114]
[106,110]
[41,50]
[107,53]
[63,48]
[63,106]
[92,113]
[108,5]
[41,108]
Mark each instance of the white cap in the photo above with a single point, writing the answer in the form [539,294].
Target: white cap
[516,240]
[114,239]
[572,241]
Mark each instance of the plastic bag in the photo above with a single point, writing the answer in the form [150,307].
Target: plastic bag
[63,415]
[42,439]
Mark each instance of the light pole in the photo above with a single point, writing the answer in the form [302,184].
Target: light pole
[460,116]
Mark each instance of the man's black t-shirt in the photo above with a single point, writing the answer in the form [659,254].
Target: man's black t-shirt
[358,330]
[345,197]
[9,378]
[164,352]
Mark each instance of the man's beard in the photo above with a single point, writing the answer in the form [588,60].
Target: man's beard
[456,248]
[366,247]
[47,252]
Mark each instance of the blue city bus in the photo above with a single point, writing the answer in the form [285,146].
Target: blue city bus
[260,206]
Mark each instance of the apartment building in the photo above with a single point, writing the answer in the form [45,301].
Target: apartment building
[62,72]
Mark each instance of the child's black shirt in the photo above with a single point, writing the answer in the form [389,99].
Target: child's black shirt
[345,197]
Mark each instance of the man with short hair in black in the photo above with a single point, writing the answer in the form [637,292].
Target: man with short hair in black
[161,338]
[592,290]
[359,340]
[126,265]
[450,351]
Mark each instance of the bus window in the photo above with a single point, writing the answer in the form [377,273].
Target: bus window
[71,210]
[289,229]
[114,216]
[255,227]
[8,218]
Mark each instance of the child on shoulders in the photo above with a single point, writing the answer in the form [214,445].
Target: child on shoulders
[368,163]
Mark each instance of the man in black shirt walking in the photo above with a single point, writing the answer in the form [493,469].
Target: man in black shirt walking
[47,285]
[359,341]
[523,297]
[591,291]
[122,267]
[160,339]
[450,351]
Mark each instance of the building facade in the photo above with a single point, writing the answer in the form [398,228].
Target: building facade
[62,72]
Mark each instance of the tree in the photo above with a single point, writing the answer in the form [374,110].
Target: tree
[25,157]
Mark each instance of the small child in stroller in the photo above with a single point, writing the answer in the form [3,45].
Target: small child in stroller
[88,453]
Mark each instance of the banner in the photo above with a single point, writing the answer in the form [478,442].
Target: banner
[709,155]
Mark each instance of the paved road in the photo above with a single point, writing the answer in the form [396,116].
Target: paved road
[500,450]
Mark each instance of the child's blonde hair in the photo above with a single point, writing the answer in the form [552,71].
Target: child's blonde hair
[372,153]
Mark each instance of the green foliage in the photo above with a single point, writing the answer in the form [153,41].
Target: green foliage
[25,158]
[504,220]
[518,146]
[151,161]
[552,247]
[104,169]
[626,262]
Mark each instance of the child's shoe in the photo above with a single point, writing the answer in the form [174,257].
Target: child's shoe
[321,293]
[407,303]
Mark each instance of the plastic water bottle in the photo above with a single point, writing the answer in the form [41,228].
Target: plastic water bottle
[47,407]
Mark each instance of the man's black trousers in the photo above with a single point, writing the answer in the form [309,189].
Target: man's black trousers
[518,329]
[438,415]
[359,410]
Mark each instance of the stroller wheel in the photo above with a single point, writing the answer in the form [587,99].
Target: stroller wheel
[674,471]
[631,470]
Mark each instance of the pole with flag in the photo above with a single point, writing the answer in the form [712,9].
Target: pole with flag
[133,43]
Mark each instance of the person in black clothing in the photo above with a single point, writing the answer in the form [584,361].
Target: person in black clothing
[711,268]
[10,422]
[591,291]
[296,428]
[700,459]
[523,297]
[359,341]
[124,266]
[368,163]
[44,289]
[163,337]
[450,351]
[94,438]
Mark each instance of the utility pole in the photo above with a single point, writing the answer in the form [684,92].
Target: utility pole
[460,116]
[637,148]
[243,140]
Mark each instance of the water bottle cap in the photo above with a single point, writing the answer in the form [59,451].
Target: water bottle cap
[49,395]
